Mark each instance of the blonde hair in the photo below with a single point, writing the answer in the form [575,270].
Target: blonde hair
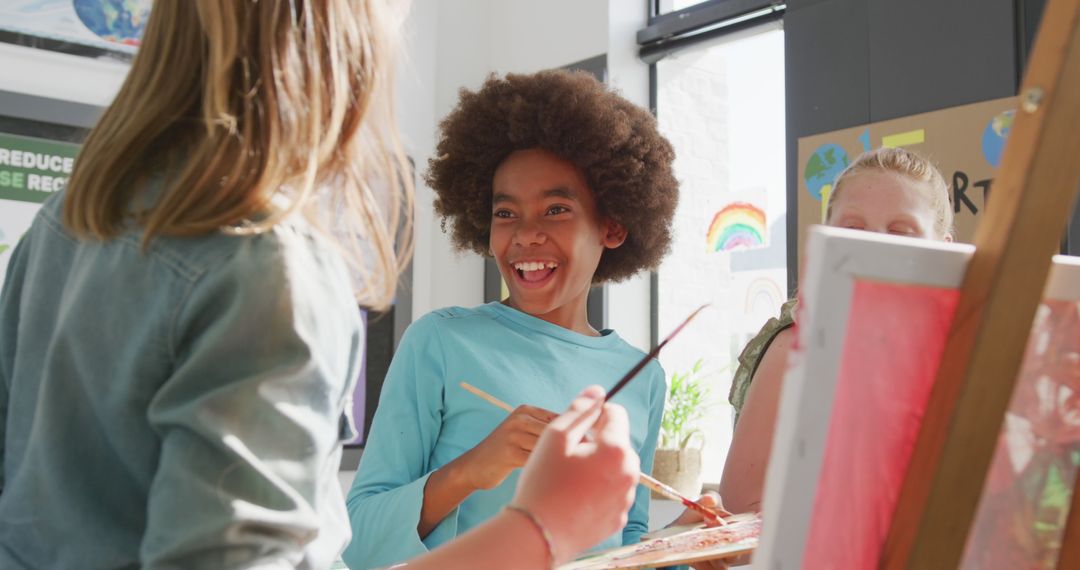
[907,163]
[239,103]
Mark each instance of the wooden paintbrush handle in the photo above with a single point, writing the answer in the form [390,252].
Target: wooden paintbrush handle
[645,480]
[674,495]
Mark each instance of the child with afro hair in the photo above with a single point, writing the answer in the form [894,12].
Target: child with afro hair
[566,185]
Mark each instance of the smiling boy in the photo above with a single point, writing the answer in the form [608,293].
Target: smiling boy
[566,185]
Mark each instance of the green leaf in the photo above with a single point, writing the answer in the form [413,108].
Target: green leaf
[684,406]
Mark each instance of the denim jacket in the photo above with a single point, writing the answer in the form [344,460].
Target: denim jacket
[180,406]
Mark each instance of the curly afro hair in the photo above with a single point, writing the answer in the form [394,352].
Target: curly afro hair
[625,160]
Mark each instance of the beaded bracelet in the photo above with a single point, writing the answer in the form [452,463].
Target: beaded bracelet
[548,541]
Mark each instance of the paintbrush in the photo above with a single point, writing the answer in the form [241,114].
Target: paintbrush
[652,354]
[710,513]
[640,366]
[647,481]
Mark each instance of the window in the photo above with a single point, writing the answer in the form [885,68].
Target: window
[721,104]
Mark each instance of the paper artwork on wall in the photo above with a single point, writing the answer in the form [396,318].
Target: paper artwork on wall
[739,225]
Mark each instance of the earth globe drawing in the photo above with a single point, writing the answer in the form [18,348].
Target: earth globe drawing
[993,139]
[827,162]
[115,21]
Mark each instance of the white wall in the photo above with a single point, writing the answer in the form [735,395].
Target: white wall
[528,36]
[417,120]
[628,302]
[60,76]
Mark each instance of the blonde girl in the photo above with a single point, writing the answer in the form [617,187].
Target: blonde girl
[178,330]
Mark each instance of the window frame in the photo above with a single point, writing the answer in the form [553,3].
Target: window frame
[672,32]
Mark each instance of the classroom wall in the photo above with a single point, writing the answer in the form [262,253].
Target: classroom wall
[60,76]
[527,36]
[851,62]
[629,310]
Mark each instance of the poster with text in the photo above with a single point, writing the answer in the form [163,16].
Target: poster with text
[966,143]
[31,169]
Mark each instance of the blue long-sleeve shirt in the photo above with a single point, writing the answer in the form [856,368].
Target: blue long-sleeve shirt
[174,407]
[425,419]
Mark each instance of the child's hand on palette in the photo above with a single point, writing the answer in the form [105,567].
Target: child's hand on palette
[711,500]
[690,516]
[582,486]
[507,447]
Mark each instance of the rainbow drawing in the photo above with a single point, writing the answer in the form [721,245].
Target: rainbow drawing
[739,225]
[763,297]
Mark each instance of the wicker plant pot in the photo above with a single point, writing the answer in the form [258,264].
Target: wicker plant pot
[679,468]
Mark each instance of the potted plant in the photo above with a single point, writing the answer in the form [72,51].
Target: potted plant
[676,462]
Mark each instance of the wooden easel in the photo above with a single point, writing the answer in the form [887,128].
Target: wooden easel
[1032,198]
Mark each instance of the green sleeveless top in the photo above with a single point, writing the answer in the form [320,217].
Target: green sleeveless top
[751,356]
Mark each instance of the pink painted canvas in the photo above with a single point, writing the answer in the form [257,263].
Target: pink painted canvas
[895,337]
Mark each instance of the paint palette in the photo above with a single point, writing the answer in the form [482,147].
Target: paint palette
[679,545]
